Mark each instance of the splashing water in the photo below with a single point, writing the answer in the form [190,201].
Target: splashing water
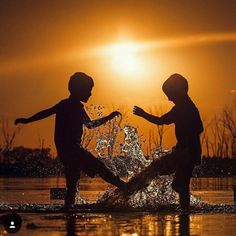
[154,190]
[131,159]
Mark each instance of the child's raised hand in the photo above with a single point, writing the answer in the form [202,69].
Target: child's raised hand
[138,111]
[21,121]
[114,114]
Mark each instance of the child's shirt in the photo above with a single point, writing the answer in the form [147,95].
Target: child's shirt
[188,127]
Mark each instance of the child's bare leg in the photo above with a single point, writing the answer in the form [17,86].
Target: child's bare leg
[71,186]
[109,177]
[70,196]
[144,178]
[184,200]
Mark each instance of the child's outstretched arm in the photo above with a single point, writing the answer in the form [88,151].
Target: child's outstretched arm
[151,118]
[95,123]
[38,116]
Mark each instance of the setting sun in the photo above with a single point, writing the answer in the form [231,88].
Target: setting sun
[124,58]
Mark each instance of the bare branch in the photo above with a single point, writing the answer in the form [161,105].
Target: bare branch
[9,134]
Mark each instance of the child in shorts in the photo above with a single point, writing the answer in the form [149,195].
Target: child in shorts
[188,127]
[70,118]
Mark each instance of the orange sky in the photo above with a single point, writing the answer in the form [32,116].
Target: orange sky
[43,42]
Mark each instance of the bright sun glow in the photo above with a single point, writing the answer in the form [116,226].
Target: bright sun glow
[125,58]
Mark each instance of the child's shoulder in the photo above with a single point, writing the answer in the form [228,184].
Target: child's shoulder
[62,102]
[69,104]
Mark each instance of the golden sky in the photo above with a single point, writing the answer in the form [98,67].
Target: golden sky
[128,47]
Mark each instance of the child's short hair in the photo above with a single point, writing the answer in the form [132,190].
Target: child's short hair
[175,84]
[79,80]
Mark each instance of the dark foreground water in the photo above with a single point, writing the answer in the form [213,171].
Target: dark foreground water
[32,192]
[127,224]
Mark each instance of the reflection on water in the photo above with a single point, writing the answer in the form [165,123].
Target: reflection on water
[135,224]
[125,224]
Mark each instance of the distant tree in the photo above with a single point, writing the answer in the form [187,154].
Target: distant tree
[156,137]
[229,122]
[205,136]
[219,137]
[37,162]
[9,134]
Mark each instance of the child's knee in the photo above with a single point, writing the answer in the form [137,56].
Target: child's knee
[72,185]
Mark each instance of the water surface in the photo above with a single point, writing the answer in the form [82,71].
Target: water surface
[36,191]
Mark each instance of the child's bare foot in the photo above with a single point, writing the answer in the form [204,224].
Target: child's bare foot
[127,189]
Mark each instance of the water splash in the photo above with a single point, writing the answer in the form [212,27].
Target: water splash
[153,193]
[131,159]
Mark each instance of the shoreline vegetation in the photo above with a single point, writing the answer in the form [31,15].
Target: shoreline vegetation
[39,162]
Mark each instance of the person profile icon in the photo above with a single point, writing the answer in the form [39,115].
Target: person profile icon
[12,225]
[12,222]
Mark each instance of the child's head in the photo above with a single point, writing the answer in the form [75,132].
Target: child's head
[80,86]
[175,87]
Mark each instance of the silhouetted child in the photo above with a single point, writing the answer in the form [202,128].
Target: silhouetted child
[188,127]
[70,118]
